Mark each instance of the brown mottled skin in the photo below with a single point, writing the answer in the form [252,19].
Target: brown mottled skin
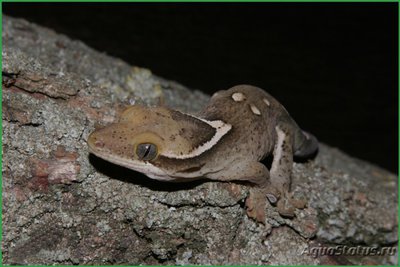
[252,125]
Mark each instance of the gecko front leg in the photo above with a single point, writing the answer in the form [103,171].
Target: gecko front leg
[281,171]
[257,175]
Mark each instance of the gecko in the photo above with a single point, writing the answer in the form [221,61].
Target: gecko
[225,141]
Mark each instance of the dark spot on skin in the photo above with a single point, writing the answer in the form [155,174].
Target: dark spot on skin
[172,138]
[161,115]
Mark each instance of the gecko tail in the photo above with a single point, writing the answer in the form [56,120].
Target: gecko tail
[308,147]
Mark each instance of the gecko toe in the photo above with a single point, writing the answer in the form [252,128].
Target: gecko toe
[285,209]
[255,204]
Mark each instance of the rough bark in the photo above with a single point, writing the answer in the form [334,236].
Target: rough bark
[63,206]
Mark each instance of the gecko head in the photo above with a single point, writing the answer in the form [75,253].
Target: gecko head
[146,138]
[129,146]
[136,141]
[125,142]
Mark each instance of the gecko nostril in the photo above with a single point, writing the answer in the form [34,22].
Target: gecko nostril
[99,144]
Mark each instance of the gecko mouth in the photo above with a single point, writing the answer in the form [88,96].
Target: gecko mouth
[144,167]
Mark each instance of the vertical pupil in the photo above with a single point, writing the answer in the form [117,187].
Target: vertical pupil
[146,151]
[147,148]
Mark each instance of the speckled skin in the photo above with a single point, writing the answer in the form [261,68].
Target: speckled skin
[252,125]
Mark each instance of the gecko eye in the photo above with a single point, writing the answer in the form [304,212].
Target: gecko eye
[146,151]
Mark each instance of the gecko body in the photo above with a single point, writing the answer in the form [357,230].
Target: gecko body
[225,141]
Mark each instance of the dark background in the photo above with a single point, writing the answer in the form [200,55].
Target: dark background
[334,66]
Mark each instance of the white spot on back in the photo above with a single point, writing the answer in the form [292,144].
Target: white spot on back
[306,135]
[215,94]
[266,101]
[221,128]
[238,97]
[254,109]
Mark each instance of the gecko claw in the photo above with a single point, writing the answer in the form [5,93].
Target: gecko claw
[272,198]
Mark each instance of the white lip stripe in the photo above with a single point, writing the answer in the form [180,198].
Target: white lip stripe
[221,128]
[144,167]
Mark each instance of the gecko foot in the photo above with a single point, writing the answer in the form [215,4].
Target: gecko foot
[255,204]
[285,203]
[288,204]
[256,201]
